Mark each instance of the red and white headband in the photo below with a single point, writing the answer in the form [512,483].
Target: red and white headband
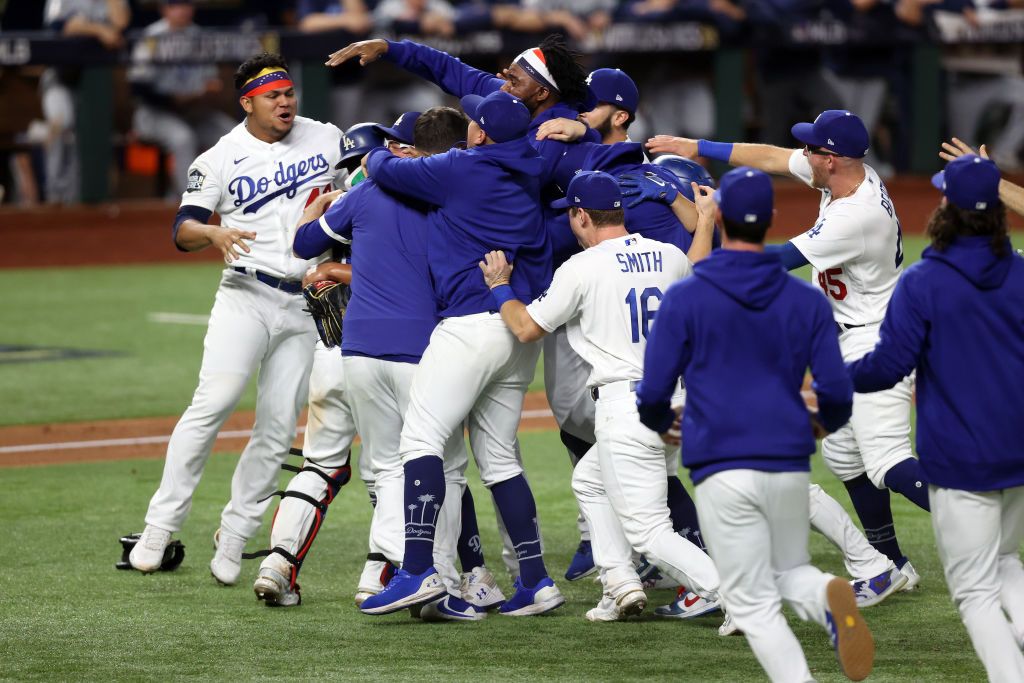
[533,62]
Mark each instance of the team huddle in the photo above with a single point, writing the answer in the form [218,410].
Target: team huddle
[440,255]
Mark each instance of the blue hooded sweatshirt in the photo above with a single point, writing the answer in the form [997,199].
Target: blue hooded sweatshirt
[741,332]
[488,198]
[958,317]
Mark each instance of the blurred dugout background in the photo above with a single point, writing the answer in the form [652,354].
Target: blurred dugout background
[111,99]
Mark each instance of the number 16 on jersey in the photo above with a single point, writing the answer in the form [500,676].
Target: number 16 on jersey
[641,313]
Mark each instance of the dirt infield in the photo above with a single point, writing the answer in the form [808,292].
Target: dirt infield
[140,231]
[63,443]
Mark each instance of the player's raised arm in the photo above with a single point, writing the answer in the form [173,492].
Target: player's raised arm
[1010,193]
[498,276]
[768,158]
[427,178]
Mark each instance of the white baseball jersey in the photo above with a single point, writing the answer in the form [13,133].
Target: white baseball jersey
[607,296]
[855,247]
[264,187]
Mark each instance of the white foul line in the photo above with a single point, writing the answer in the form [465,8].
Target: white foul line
[149,440]
[179,318]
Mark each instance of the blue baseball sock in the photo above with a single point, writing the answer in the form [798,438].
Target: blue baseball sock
[519,512]
[907,478]
[471,550]
[424,496]
[872,506]
[683,513]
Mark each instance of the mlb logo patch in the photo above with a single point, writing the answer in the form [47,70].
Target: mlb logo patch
[196,178]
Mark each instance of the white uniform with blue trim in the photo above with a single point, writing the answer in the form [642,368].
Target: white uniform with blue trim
[262,187]
[607,297]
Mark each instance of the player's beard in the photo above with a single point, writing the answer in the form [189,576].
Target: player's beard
[604,128]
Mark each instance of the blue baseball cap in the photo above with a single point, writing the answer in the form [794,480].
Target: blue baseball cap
[745,195]
[837,130]
[502,116]
[613,86]
[401,130]
[591,190]
[970,182]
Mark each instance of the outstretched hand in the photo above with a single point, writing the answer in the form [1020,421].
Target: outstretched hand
[562,130]
[704,199]
[367,50]
[957,148]
[496,268]
[674,435]
[225,239]
[647,187]
[668,144]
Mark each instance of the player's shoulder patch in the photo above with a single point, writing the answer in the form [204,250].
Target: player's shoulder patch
[196,178]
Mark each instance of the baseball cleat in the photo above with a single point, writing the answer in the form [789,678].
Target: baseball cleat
[148,553]
[870,592]
[651,577]
[480,589]
[582,563]
[542,598]
[688,605]
[851,638]
[274,588]
[376,574]
[226,565]
[450,608]
[404,591]
[729,627]
[626,605]
[913,578]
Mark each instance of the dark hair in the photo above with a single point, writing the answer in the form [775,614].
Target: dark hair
[565,68]
[438,129]
[752,233]
[254,65]
[949,221]
[602,218]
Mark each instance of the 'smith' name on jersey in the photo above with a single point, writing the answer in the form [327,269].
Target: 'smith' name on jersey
[642,262]
[286,180]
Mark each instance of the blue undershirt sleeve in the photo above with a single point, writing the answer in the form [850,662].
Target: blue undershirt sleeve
[791,257]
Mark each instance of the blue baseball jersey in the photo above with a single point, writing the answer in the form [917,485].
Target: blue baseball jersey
[392,312]
[487,198]
[741,332]
[957,316]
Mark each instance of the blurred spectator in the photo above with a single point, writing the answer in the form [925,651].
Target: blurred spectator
[104,20]
[982,80]
[334,15]
[578,18]
[176,102]
[422,17]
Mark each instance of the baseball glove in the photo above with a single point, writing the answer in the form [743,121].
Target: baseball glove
[326,301]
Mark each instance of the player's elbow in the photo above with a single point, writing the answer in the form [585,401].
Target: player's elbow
[529,333]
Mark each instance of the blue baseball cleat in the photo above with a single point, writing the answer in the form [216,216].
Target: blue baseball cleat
[582,563]
[850,636]
[405,590]
[451,608]
[542,598]
[870,592]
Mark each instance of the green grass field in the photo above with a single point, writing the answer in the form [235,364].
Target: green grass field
[66,614]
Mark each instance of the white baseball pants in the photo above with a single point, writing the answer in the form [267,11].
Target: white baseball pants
[979,536]
[755,525]
[379,393]
[621,487]
[878,433]
[251,326]
[828,518]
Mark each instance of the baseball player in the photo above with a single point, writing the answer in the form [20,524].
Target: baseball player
[1010,193]
[387,326]
[856,250]
[486,197]
[330,428]
[257,178]
[607,296]
[742,322]
[956,318]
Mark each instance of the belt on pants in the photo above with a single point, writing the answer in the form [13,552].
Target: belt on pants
[843,327]
[289,286]
[614,389]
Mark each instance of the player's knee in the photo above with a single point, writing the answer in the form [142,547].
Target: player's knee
[218,393]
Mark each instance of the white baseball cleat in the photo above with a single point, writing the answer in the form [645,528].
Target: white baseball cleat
[148,553]
[870,592]
[913,578]
[226,565]
[274,588]
[729,627]
[688,605]
[450,608]
[371,581]
[480,589]
[618,609]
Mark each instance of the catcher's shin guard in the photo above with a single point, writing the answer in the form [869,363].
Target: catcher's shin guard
[301,513]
